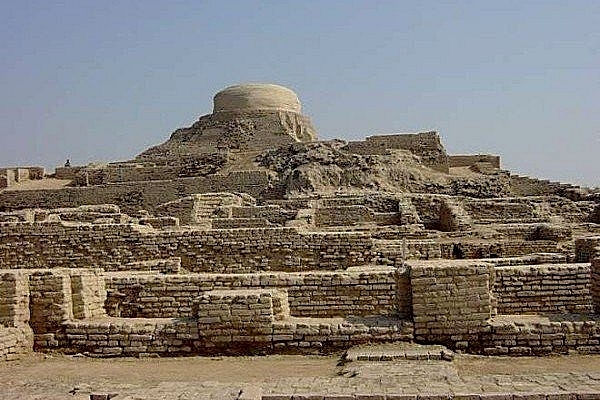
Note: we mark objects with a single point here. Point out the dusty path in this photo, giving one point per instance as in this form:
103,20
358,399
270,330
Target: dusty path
40,377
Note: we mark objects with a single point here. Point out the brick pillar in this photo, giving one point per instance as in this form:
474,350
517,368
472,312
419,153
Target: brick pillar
14,299
89,294
16,337
51,306
451,301
237,320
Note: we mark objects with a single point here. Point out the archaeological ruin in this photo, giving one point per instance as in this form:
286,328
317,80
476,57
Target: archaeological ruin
245,234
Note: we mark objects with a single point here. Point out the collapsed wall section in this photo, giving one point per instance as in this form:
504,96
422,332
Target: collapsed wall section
426,145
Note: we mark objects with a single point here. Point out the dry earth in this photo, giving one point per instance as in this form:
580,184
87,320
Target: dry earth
58,377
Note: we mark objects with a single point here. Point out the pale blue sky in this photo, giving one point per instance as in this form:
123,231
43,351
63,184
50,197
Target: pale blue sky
103,80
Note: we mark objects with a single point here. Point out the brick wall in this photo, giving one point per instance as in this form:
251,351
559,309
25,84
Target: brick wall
315,294
540,336
50,245
236,317
16,337
133,196
451,301
271,213
51,306
559,288
504,210
343,215
595,285
587,248
472,159
88,294
498,248
426,145
14,298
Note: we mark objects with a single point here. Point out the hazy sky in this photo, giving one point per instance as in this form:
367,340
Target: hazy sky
103,80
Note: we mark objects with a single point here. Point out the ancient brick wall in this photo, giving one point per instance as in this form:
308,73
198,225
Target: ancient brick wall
595,284
237,317
16,337
451,302
587,248
133,196
502,248
272,213
236,223
501,210
50,245
544,289
426,145
323,294
7,178
342,215
472,159
14,298
192,210
88,290
51,306
538,336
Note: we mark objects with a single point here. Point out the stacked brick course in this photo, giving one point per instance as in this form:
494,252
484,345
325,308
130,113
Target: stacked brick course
324,294
587,248
521,337
132,196
16,337
559,288
244,250
51,305
451,303
595,284
236,316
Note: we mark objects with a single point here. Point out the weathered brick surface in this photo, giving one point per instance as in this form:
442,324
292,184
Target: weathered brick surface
88,290
51,306
558,288
14,298
519,337
451,302
587,248
240,250
315,294
595,284
16,337
132,196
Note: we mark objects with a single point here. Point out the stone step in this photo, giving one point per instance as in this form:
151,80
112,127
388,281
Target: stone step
398,351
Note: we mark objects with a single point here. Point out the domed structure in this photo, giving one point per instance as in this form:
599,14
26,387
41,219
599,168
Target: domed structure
256,97
247,119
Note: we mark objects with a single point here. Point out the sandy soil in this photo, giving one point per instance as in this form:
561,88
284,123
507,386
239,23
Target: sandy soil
66,370
62,373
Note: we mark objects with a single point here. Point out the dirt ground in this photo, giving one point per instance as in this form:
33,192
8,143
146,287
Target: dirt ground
72,370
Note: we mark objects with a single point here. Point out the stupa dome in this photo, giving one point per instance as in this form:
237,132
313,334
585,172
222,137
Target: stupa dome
256,96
